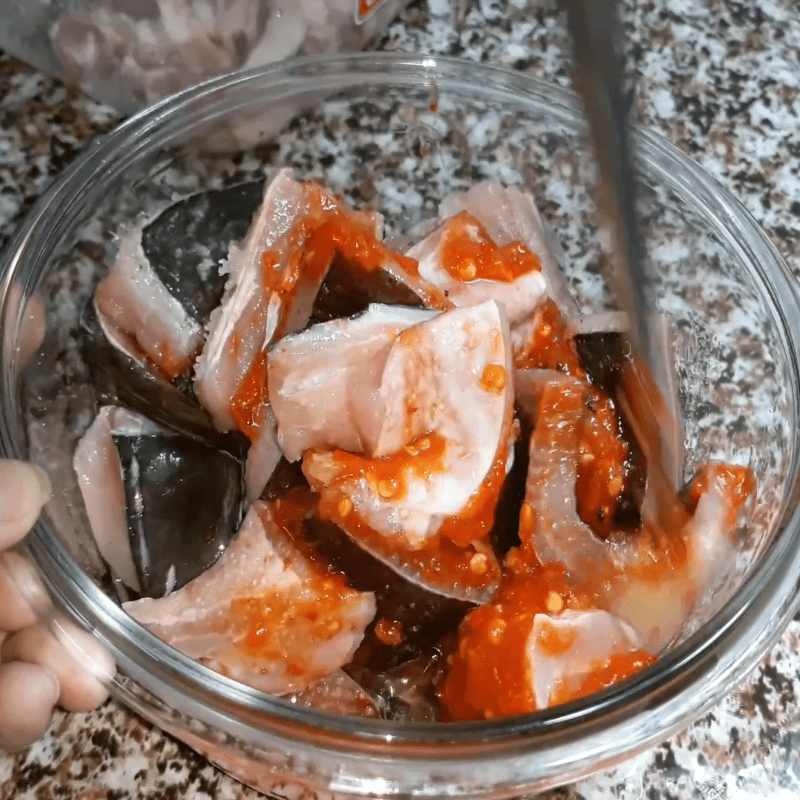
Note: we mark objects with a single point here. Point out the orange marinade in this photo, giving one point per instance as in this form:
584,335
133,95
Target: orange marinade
269,618
389,475
250,396
550,345
468,253
489,675
266,617
438,559
604,673
602,464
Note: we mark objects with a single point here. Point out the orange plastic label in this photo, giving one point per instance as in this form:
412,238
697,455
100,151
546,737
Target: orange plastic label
366,7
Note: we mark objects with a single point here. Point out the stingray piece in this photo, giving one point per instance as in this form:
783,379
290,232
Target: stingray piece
183,502
509,215
324,383
264,614
140,316
423,500
187,244
409,619
121,380
161,506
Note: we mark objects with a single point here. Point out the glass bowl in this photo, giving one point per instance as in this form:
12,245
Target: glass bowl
397,133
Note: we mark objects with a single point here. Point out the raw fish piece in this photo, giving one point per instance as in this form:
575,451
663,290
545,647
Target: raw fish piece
324,383
549,521
424,504
187,244
587,641
539,642
120,380
97,465
183,502
448,392
263,455
510,215
161,506
263,614
649,580
519,293
265,296
140,317
656,603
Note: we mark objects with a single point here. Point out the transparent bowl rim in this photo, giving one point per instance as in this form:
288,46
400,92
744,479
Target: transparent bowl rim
688,679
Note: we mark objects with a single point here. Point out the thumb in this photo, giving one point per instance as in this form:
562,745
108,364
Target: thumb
24,489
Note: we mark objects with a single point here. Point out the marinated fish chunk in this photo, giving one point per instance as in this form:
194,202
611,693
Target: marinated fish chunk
492,245
538,643
162,506
263,614
260,295
441,453
325,383
140,317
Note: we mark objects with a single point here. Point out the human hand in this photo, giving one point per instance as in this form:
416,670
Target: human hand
37,668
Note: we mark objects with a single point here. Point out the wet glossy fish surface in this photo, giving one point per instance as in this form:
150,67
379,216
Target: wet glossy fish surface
329,465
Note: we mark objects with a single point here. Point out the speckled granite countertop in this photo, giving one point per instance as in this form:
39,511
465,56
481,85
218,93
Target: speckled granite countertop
720,79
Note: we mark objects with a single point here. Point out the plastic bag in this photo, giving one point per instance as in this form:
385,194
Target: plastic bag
130,53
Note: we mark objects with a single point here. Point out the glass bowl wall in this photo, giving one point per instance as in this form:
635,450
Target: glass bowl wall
396,134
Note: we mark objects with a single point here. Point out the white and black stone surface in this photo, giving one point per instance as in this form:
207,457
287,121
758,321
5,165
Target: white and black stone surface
718,78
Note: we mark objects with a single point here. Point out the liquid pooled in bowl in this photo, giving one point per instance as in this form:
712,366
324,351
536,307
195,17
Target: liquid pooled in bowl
332,467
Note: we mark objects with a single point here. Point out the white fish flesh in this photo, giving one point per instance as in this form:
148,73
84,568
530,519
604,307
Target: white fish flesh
594,636
263,614
140,316
447,386
325,382
655,600
549,519
518,296
97,465
261,300
264,453
506,216
443,449
510,215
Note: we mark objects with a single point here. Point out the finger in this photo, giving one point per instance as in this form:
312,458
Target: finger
28,693
21,592
32,327
81,664
24,489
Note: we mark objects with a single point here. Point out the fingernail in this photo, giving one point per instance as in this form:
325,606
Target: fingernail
45,486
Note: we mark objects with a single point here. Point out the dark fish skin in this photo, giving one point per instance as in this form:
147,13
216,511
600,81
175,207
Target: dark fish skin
285,477
119,380
602,356
212,220
422,616
183,503
505,531
348,290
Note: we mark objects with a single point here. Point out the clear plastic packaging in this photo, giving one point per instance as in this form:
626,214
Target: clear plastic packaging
131,53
